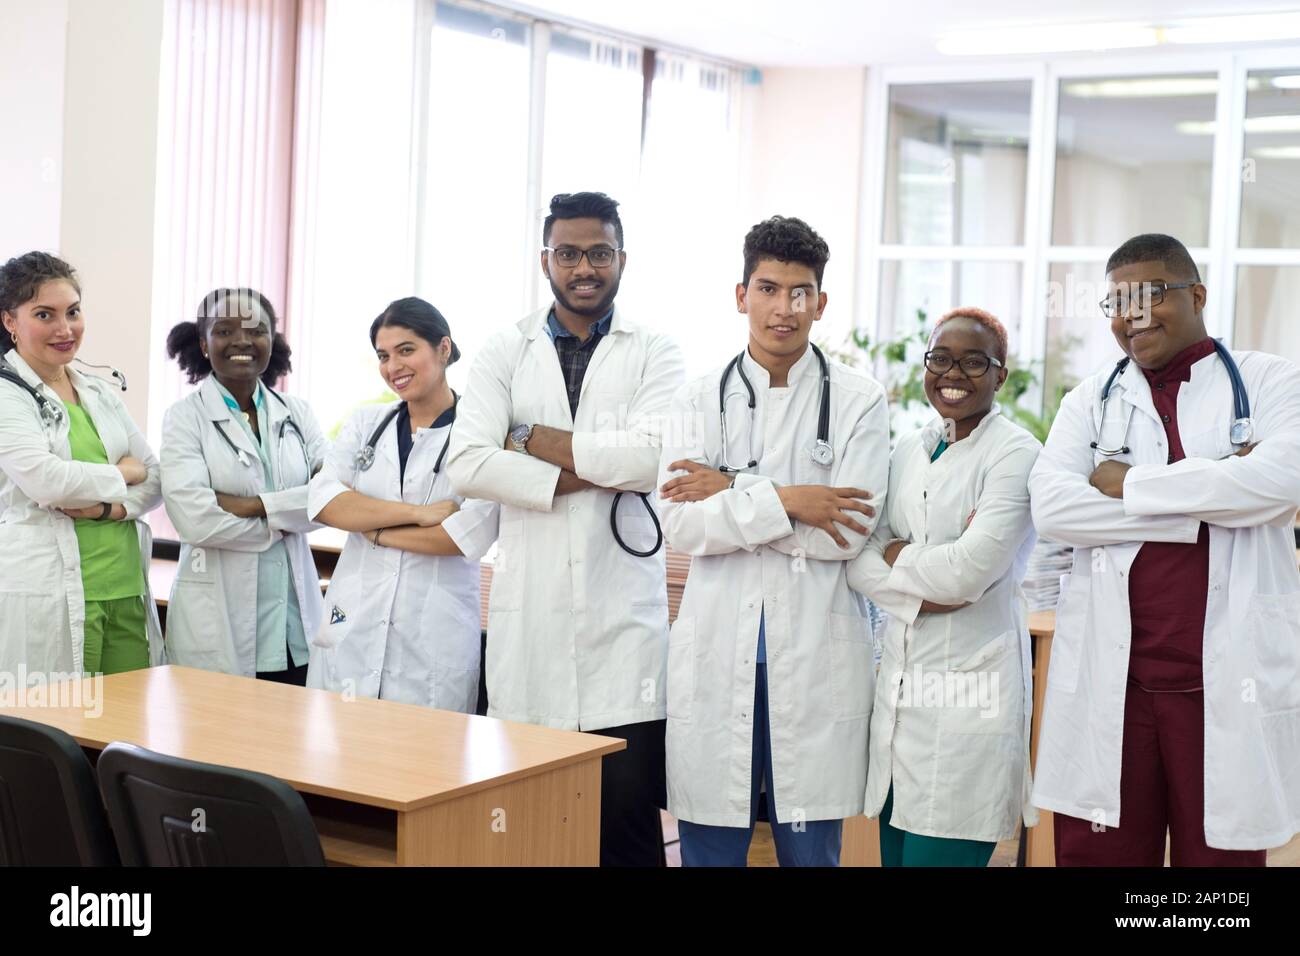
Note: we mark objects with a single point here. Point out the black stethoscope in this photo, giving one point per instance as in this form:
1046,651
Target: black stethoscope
365,457
52,415
821,453
286,424
1241,432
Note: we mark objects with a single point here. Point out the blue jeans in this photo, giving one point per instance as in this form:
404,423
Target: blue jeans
817,843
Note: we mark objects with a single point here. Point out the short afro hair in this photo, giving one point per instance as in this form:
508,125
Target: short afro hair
785,239
986,319
1155,247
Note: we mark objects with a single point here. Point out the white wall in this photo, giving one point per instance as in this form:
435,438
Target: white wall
806,160
31,102
110,136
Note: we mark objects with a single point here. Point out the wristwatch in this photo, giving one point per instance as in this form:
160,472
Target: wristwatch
105,510
519,436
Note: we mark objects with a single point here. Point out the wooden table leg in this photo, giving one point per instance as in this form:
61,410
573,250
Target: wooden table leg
546,819
861,842
1040,848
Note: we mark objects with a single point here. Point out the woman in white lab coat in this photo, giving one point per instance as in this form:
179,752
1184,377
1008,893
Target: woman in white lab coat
76,477
949,765
403,614
236,459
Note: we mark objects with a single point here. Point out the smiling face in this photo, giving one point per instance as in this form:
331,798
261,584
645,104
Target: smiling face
1153,338
409,364
49,327
237,340
954,394
582,289
782,301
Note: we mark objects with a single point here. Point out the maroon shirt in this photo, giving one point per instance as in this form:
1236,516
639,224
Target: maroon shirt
1168,582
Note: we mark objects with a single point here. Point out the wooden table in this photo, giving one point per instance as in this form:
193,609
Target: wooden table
387,784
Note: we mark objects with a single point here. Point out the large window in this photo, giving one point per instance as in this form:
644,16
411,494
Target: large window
476,176
412,149
1007,187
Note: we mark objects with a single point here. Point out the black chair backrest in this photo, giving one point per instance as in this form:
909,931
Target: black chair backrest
50,811
166,811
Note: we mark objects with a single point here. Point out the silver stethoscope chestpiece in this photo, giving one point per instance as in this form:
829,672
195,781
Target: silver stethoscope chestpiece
1242,431
366,457
823,454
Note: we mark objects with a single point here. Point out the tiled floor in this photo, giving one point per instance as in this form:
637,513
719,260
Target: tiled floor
762,852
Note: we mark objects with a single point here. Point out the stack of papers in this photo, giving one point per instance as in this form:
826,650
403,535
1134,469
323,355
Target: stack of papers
1042,584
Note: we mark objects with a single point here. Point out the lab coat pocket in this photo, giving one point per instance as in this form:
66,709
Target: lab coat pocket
29,562
853,670
981,694
336,618
681,668
508,571
637,531
1067,642
1275,635
193,639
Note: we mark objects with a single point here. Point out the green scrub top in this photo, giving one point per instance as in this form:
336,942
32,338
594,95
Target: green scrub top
939,449
110,550
279,617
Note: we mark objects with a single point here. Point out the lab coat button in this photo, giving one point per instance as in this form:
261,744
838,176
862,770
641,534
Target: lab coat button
750,604
573,509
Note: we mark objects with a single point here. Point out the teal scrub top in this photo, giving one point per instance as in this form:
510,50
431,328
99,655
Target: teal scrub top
280,635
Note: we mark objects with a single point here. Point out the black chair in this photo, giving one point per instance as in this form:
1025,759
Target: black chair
50,812
166,811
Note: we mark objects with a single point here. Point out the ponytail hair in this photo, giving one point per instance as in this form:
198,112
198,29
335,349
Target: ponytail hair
184,338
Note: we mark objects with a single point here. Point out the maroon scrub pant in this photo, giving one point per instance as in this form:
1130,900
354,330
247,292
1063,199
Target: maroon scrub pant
1161,786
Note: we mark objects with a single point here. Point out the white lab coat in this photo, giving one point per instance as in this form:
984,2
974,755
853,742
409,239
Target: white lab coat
747,557
212,613
1252,618
42,603
398,625
953,696
577,627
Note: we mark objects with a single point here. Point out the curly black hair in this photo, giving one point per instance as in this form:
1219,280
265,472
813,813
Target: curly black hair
184,338
786,239
22,277
1155,247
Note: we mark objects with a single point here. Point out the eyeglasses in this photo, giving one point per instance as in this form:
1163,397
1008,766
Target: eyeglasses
600,257
1149,294
974,364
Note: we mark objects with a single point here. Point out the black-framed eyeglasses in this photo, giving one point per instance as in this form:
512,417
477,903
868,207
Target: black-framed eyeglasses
1148,294
600,257
974,364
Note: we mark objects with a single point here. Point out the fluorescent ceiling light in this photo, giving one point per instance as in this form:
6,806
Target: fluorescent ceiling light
1149,86
1241,29
926,179
1276,152
1080,37
1254,124
1048,39
1289,82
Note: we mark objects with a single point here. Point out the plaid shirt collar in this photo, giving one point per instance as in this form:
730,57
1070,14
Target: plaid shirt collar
555,330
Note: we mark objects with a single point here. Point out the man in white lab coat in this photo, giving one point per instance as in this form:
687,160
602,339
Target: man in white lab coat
1173,693
561,416
770,665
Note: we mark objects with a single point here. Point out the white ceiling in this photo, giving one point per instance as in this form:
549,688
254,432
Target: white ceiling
855,32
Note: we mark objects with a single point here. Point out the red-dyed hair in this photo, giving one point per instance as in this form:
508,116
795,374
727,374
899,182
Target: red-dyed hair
986,319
